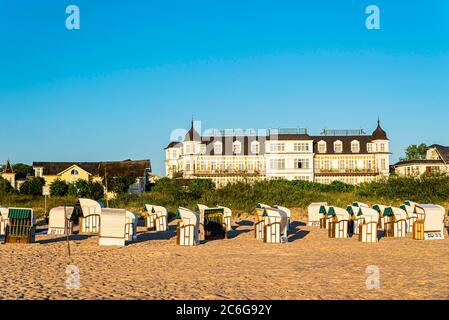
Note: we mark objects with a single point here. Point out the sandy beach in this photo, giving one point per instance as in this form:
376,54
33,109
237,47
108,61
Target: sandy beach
309,266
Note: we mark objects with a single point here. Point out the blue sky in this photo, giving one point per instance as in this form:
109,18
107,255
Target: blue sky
136,70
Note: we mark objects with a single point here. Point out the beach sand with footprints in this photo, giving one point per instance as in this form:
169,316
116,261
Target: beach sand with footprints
309,266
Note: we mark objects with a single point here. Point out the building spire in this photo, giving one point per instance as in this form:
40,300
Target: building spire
8,167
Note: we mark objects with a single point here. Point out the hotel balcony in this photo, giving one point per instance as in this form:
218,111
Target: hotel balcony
347,172
226,173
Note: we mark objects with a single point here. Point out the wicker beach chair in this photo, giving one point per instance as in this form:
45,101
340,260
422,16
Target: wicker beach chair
314,215
157,217
325,218
188,227
227,217
430,226
259,223
20,227
59,221
288,212
339,224
356,219
89,222
117,227
368,229
3,220
214,224
275,225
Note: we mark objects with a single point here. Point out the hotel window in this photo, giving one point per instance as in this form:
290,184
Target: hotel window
250,165
187,149
218,148
74,172
259,165
304,178
351,164
369,164
369,147
383,164
327,164
187,165
236,147
355,146
322,147
338,147
277,164
301,146
255,147
174,154
342,165
222,166
241,165
382,147
213,166
203,166
301,163
277,147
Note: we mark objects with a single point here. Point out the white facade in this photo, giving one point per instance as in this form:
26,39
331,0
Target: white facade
289,154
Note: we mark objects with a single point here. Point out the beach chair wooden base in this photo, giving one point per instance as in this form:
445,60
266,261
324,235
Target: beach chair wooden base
400,228
388,228
368,232
28,237
259,229
89,225
161,223
185,235
356,225
410,222
418,230
149,222
338,229
272,233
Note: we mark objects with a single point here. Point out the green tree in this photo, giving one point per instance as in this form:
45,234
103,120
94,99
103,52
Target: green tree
32,186
59,188
79,188
5,186
415,152
120,184
23,168
96,190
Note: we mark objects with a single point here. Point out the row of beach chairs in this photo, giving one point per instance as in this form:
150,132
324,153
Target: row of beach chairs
424,221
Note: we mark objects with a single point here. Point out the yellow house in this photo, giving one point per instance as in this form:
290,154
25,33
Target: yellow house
94,171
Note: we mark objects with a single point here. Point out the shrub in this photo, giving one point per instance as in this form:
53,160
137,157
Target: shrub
59,188
120,184
79,188
33,186
5,186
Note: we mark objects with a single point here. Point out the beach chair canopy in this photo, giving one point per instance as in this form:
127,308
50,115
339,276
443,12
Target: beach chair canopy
340,213
398,213
360,204
277,215
433,216
112,227
22,214
188,216
58,216
323,210
380,208
410,203
89,206
262,205
201,207
286,210
226,211
314,211
354,211
370,215
157,210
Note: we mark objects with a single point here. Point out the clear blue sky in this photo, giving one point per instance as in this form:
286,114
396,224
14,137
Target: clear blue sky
138,69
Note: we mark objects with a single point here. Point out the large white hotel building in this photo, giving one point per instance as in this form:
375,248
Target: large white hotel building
350,156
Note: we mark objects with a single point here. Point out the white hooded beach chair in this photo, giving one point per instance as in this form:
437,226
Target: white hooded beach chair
157,217
59,221
356,219
339,224
131,226
382,218
117,226
399,222
227,217
431,227
314,215
368,229
259,224
89,223
287,211
325,218
412,215
3,220
276,225
360,204
188,227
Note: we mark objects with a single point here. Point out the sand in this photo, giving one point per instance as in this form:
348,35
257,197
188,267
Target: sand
310,266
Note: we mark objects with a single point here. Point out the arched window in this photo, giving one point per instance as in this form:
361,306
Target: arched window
255,147
218,147
74,172
322,148
236,147
355,146
338,146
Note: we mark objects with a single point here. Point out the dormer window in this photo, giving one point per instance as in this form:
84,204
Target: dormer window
218,147
355,146
255,147
236,147
322,147
338,146
74,172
